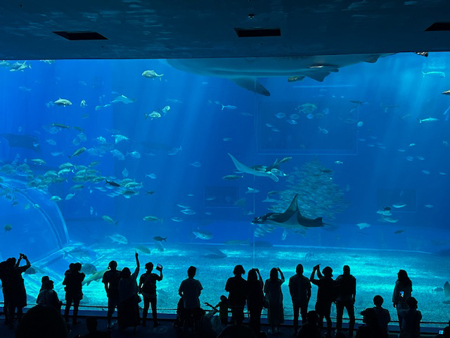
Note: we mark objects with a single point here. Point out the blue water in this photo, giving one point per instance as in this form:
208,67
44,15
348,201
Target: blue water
374,151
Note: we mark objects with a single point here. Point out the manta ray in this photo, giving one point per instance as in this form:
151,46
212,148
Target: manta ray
290,219
243,168
23,141
246,71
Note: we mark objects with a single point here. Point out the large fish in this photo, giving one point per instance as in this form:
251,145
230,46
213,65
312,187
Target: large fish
291,218
243,168
246,71
23,141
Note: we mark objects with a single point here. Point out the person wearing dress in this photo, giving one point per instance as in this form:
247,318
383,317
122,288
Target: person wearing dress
274,297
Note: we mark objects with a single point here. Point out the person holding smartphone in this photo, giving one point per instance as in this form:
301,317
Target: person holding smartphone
147,287
402,292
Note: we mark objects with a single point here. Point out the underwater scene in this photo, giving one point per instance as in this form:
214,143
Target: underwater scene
197,162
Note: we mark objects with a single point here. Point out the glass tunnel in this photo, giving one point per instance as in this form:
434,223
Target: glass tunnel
179,159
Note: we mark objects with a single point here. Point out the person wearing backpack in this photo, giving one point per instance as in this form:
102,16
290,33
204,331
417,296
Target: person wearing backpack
346,292
147,287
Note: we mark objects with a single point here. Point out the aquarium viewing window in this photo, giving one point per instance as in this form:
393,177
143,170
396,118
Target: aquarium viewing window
182,160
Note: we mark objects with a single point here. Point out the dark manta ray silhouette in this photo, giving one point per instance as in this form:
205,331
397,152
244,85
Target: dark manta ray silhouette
23,141
291,218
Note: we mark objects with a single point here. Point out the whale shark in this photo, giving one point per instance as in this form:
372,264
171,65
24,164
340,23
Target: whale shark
245,71
290,219
243,168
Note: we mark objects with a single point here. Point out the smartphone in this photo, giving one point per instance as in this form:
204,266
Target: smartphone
402,293
159,266
441,331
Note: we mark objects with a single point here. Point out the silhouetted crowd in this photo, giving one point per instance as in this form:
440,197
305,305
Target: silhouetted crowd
125,292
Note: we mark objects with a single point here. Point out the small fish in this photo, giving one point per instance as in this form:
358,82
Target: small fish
323,131
447,92
398,232
429,206
153,115
201,234
160,239
142,249
433,74
196,164
51,142
151,74
55,198
152,176
134,154
399,206
152,219
426,172
280,115
360,124
363,225
338,162
228,107
109,220
188,212
62,102
118,138
125,172
69,197
294,116
78,152
177,219
428,119
83,104
227,139
175,151
232,177
7,227
251,191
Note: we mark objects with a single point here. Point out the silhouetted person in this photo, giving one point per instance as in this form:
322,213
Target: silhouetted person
325,294
237,288
128,308
44,280
111,280
272,289
383,315
222,307
4,279
91,324
445,332
48,296
147,287
309,328
370,329
300,290
411,320
18,294
255,299
346,293
402,292
72,280
42,321
190,290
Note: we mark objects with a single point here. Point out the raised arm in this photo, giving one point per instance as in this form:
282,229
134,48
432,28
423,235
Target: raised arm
281,275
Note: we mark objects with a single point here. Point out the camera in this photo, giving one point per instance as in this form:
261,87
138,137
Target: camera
402,293
158,267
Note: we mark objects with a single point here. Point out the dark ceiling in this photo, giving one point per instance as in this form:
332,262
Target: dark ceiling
198,28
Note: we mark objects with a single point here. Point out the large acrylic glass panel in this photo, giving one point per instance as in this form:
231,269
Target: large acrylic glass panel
142,163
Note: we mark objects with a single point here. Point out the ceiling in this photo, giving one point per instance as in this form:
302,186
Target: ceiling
158,29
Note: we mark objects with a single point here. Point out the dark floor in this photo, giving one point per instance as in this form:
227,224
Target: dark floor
165,329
